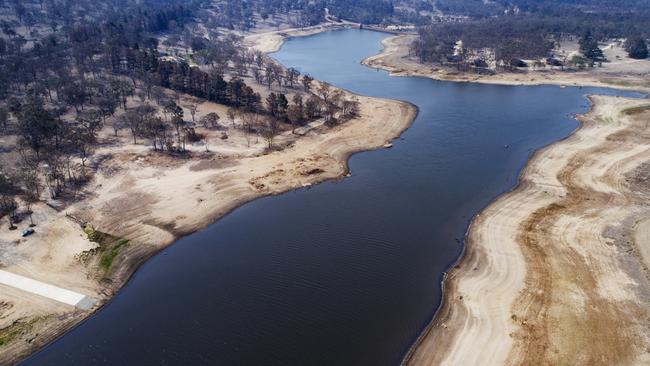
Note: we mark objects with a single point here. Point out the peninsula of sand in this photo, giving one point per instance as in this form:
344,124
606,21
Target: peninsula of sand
152,200
556,271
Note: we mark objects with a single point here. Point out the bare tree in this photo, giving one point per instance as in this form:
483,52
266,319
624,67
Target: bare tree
83,142
292,75
331,105
155,129
313,107
210,120
306,82
4,117
248,121
350,107
259,59
134,121
117,125
192,107
271,131
176,114
269,75
28,176
324,90
8,204
296,112
232,113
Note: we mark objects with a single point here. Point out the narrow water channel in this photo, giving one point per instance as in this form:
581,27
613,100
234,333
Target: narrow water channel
348,272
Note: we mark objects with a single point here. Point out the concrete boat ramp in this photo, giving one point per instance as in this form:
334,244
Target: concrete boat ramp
46,290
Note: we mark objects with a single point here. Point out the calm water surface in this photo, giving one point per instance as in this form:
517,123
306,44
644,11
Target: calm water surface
347,273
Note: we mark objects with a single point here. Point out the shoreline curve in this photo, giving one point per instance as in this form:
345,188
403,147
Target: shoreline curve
369,131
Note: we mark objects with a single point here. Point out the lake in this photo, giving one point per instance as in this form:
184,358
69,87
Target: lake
345,273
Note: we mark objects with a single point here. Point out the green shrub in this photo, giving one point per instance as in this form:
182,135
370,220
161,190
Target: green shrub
93,235
109,254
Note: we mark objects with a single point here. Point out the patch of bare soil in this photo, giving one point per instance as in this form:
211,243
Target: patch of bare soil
213,164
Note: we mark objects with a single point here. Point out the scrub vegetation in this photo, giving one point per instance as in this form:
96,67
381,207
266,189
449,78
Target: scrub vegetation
18,329
109,247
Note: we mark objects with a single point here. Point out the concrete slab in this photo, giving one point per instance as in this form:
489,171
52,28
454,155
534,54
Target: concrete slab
46,290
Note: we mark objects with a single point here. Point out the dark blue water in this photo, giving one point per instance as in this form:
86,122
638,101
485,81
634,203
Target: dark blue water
347,273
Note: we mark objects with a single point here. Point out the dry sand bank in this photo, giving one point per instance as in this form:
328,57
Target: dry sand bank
550,273
269,42
396,58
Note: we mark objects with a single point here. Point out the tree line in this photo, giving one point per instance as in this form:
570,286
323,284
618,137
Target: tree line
527,29
244,14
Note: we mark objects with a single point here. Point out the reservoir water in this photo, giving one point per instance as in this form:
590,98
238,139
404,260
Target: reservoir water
348,272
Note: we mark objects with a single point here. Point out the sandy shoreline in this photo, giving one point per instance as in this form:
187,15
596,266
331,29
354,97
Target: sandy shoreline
148,203
547,272
269,42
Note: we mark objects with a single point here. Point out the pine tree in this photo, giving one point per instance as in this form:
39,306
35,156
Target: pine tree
589,48
637,48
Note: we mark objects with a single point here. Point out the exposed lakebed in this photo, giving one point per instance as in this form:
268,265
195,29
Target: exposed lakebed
347,272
